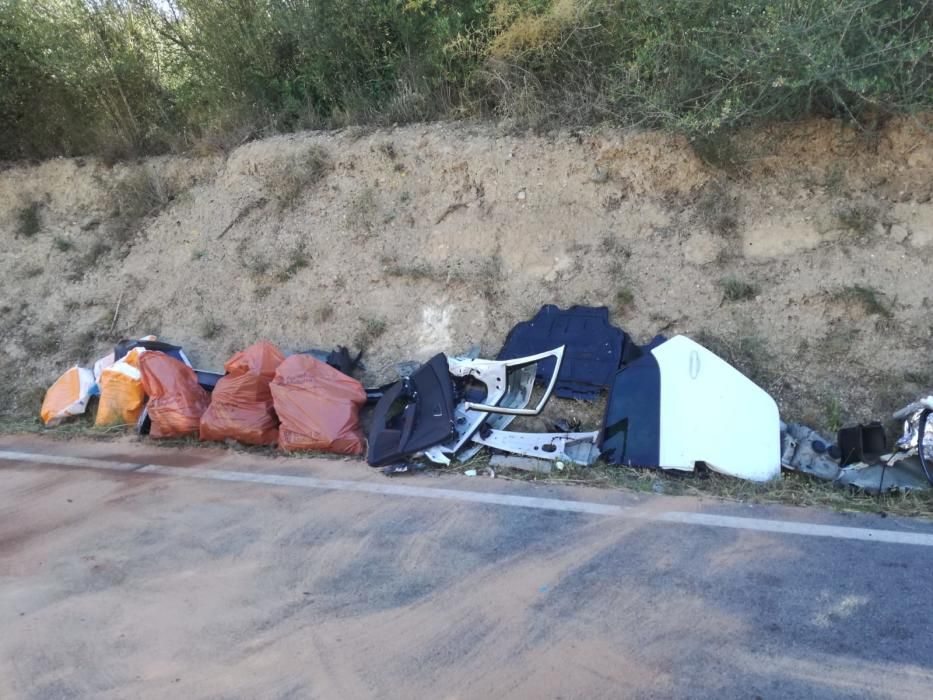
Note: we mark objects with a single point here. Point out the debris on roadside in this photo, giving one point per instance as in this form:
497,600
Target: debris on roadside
861,443
806,451
593,348
525,464
671,404
122,397
241,405
318,407
176,400
68,396
679,404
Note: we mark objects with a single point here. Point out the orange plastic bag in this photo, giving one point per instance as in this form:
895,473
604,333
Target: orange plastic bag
121,392
318,407
68,396
176,400
241,405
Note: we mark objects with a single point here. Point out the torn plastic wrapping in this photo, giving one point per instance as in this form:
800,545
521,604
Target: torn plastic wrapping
241,406
176,400
318,407
68,396
121,392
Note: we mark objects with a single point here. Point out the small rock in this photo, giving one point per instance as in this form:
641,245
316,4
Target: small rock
899,233
520,196
599,175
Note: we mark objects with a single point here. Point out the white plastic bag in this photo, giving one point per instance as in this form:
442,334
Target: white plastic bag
68,396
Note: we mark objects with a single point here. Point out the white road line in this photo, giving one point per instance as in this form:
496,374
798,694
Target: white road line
784,527
64,461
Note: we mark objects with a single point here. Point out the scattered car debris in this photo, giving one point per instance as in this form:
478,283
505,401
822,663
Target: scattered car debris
916,422
525,464
339,358
672,404
594,349
500,387
806,451
579,448
680,404
862,443
900,472
413,415
150,342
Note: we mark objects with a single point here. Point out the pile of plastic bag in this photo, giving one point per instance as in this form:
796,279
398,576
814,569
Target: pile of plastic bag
299,403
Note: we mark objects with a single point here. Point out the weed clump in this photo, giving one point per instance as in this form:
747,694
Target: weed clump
372,329
869,299
28,220
858,218
734,289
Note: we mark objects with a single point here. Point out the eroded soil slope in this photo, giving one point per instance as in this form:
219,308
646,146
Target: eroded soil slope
805,261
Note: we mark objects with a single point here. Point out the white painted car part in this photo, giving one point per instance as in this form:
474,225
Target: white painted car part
509,386
710,412
579,448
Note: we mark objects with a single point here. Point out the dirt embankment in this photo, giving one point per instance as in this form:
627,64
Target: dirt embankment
805,261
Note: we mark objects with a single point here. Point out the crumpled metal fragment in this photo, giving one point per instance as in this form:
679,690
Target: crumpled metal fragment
805,450
911,415
902,472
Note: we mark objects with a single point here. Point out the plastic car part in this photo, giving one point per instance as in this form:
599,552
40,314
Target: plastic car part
507,387
207,379
594,348
632,424
579,448
806,451
517,396
685,406
413,414
862,443
125,345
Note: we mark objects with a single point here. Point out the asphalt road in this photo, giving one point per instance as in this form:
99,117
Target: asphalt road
212,576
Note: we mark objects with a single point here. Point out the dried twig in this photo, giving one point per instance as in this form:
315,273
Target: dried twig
116,311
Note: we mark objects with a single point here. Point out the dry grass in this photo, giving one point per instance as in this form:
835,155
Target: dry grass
372,328
868,299
717,211
298,259
363,210
141,192
292,177
791,489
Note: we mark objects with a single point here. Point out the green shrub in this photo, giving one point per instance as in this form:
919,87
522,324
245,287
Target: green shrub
28,220
125,77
